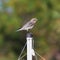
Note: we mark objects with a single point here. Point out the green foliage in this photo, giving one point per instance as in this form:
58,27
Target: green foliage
46,31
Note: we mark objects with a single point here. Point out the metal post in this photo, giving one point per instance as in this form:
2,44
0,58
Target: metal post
29,46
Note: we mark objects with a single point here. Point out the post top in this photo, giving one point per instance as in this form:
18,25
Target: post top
29,35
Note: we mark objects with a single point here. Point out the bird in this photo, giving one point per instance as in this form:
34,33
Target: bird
29,25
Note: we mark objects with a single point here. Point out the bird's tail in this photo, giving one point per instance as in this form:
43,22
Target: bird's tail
19,30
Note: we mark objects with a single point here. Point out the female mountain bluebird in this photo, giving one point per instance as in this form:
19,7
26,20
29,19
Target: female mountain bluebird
29,24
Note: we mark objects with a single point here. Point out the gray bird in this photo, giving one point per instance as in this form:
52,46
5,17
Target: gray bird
29,24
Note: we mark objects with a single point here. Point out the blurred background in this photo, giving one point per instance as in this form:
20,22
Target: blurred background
46,33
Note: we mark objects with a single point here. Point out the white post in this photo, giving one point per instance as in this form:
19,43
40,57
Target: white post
29,46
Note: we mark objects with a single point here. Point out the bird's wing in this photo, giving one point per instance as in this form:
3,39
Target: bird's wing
28,24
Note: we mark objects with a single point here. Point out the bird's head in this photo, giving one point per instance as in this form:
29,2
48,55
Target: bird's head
34,20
